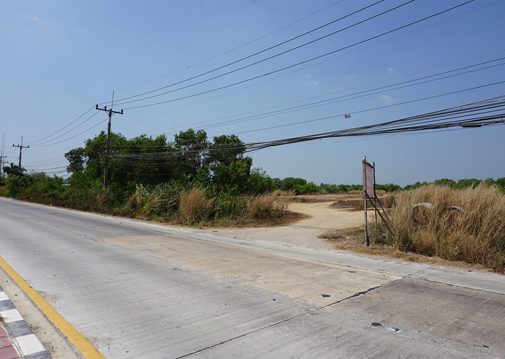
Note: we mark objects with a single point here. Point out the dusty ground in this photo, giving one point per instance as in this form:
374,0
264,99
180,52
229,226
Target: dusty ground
328,214
321,218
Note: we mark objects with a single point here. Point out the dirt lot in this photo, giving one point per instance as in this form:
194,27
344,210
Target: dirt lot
331,214
321,218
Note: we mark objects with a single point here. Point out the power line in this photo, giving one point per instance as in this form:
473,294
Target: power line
20,153
122,101
61,129
307,99
484,107
290,66
474,115
80,133
110,112
376,108
235,48
355,95
263,60
372,109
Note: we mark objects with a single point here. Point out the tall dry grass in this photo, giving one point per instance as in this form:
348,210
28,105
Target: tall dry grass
475,236
193,206
268,205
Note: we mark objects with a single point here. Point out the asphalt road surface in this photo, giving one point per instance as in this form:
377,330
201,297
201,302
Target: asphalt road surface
141,290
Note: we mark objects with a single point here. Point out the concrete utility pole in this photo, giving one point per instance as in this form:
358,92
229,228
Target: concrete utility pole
2,157
2,164
106,171
20,153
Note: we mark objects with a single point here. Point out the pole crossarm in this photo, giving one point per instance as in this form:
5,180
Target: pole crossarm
110,112
20,153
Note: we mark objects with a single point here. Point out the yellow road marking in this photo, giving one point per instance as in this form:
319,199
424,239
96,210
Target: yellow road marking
82,344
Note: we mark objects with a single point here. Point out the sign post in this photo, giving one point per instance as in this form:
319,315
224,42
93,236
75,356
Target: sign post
369,193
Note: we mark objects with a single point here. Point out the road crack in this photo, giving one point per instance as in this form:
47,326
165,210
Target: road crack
280,322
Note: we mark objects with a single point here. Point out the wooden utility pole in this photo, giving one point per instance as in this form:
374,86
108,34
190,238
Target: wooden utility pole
20,153
106,171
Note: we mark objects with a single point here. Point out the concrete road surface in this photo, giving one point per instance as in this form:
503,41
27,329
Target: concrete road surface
140,290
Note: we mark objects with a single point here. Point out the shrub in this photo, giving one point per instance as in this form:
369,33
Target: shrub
230,206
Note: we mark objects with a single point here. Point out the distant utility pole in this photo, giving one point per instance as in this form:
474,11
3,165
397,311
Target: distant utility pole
20,153
2,157
1,163
106,172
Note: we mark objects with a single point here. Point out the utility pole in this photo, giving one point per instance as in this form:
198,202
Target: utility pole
1,164
2,157
106,171
20,153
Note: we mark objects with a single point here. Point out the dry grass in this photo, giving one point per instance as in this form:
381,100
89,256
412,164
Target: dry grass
3,191
130,205
193,206
438,233
353,240
476,236
268,205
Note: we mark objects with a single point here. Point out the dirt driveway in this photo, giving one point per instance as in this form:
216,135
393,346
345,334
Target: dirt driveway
304,233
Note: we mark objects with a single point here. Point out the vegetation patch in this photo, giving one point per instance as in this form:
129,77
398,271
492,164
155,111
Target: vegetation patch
196,181
458,226
353,240
475,236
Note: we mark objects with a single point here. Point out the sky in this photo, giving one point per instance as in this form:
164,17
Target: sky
215,64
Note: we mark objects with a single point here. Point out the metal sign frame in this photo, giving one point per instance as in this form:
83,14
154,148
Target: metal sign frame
370,194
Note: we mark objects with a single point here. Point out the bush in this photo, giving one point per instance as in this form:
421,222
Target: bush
308,188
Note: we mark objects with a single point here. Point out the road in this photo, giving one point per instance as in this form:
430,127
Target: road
141,290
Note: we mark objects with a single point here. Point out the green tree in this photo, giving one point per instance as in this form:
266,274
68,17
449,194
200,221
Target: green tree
14,170
76,159
192,150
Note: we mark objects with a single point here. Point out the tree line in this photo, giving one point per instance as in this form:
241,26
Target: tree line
191,159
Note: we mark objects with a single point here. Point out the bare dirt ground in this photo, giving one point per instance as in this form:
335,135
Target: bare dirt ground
337,215
321,218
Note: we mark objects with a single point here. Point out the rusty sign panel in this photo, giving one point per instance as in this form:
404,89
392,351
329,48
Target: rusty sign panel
368,180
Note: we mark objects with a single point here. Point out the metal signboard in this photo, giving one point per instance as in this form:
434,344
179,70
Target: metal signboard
368,180
370,196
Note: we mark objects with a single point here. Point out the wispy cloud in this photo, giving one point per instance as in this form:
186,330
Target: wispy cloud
386,99
309,81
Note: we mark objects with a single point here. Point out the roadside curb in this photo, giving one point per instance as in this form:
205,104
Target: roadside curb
23,340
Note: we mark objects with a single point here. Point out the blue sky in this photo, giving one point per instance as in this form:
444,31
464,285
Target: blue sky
60,58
